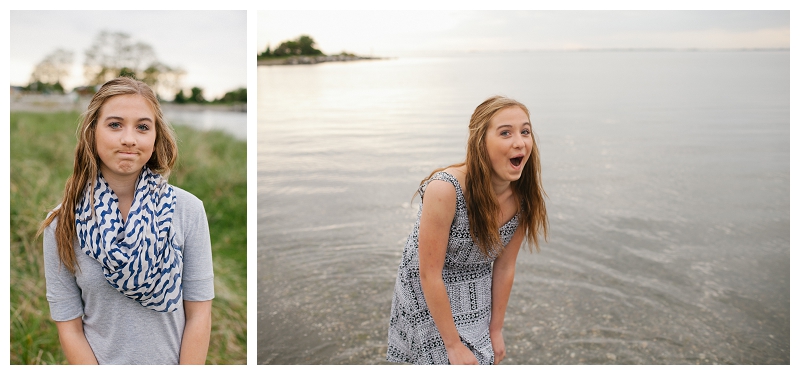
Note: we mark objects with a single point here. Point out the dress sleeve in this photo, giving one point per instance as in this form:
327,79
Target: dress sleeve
198,269
63,293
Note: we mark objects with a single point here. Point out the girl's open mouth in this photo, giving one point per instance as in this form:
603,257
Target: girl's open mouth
516,161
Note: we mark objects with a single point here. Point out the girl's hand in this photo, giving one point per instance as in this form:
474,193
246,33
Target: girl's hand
498,345
460,355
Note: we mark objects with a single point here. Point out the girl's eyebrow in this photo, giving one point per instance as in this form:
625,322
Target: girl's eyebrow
120,118
509,125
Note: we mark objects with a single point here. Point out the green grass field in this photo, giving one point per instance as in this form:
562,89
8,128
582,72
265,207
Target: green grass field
211,165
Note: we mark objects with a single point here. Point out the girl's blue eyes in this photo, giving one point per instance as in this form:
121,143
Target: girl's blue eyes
506,133
140,127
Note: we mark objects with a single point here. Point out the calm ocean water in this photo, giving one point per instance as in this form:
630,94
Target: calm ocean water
668,182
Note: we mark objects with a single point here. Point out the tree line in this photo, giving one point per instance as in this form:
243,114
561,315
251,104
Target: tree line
115,54
304,45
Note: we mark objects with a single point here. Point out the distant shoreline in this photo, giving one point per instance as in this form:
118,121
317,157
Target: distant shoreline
61,103
306,60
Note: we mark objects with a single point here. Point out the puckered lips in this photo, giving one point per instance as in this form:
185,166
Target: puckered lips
127,154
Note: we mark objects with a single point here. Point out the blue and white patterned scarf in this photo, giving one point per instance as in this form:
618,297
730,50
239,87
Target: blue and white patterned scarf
138,256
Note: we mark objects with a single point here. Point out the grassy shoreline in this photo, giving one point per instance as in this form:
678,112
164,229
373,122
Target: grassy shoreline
211,165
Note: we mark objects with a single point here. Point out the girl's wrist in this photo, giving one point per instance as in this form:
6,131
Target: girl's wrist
450,342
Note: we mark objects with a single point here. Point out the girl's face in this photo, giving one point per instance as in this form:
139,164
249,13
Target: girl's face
509,140
125,135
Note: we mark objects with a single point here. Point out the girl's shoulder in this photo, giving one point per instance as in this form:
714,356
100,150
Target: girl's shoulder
459,172
54,220
185,195
187,204
447,183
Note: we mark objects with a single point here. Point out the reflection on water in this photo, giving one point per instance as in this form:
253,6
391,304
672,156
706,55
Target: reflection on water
668,183
231,122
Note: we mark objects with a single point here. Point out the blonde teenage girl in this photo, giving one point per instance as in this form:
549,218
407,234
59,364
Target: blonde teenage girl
128,256
457,268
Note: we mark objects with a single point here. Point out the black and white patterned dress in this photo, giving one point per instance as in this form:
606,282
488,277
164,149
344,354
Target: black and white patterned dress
467,275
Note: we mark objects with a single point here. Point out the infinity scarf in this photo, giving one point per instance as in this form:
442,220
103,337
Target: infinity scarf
138,256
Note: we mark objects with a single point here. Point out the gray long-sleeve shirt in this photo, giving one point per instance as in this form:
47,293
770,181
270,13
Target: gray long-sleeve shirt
119,329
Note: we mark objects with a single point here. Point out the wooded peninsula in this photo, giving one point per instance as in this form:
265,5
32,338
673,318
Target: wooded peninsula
303,51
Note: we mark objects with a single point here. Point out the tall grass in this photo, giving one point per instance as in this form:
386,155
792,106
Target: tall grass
212,166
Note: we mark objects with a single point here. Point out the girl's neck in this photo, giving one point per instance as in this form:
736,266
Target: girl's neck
124,188
501,188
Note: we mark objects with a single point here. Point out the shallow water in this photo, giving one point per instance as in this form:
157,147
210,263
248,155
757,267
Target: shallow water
668,183
233,123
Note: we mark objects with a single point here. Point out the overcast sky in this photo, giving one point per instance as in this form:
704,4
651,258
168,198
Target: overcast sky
400,33
209,45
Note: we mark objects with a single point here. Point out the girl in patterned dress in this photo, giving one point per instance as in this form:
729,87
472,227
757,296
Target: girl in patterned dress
128,256
457,268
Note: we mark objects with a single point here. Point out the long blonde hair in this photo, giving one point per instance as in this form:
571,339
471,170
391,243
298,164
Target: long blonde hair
482,206
87,160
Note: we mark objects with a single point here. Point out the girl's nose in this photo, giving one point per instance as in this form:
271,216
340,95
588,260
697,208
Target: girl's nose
518,141
127,137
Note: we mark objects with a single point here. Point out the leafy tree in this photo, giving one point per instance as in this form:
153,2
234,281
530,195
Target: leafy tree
126,72
306,45
115,54
266,53
288,48
162,77
235,96
302,46
197,95
48,73
179,97
45,88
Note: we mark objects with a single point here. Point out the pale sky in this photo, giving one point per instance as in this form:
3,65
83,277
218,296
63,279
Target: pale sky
408,33
209,45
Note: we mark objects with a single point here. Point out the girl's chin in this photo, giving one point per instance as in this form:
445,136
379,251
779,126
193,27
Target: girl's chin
508,177
122,169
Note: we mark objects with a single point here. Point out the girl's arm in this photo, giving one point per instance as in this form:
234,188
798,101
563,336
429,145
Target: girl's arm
437,215
196,333
73,342
502,279
198,280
